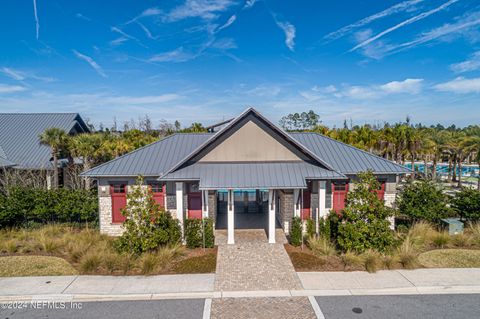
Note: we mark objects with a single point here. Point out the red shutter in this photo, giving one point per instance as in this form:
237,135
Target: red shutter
195,205
119,201
339,191
158,191
381,192
306,210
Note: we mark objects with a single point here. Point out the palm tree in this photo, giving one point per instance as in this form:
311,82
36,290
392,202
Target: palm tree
472,146
87,147
412,143
56,138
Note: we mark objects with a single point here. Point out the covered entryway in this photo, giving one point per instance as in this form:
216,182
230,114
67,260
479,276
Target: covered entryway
250,207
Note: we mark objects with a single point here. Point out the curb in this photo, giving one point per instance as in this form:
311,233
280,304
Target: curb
427,290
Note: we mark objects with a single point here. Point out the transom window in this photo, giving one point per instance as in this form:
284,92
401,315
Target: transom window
340,186
156,187
118,188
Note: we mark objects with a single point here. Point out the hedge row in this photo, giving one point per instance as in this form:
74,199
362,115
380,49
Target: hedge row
24,206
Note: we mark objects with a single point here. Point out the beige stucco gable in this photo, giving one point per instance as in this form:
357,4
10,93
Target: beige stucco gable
250,144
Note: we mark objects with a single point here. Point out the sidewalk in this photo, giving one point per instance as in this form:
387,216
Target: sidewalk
97,288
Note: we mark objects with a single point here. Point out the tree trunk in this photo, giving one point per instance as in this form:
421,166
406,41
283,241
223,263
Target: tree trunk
454,170
449,178
425,166
434,172
459,171
86,166
478,182
55,170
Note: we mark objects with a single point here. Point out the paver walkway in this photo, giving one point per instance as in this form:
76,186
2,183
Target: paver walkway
254,264
274,308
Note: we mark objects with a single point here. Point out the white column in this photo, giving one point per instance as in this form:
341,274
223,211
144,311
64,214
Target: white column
296,203
205,203
322,197
230,217
271,216
179,198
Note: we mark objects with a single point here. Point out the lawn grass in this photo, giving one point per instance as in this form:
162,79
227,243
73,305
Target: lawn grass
450,258
18,266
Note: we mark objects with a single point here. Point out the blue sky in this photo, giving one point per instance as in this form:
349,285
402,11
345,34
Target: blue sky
368,61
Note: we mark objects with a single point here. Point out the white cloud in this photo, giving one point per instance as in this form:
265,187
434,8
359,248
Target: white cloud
37,24
141,100
147,32
264,90
249,4
462,24
399,7
224,44
472,64
460,85
230,21
416,18
325,89
91,62
177,55
146,13
411,86
23,75
289,30
118,41
204,9
14,74
5,88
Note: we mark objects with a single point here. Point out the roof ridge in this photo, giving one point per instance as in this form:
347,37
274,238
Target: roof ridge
350,146
128,153
236,120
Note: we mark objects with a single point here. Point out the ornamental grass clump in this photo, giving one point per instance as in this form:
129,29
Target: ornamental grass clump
408,254
441,239
321,246
351,260
372,260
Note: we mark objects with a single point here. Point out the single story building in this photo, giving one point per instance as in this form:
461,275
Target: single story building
249,174
20,146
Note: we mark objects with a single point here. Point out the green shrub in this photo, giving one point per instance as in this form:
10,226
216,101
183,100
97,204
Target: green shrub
324,227
147,226
423,200
194,233
466,204
296,232
29,206
364,220
311,231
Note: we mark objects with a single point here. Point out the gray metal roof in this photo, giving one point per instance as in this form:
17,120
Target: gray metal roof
252,175
173,156
345,158
19,136
152,160
6,163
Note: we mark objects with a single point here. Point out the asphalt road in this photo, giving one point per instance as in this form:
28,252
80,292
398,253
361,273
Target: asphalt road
162,309
402,306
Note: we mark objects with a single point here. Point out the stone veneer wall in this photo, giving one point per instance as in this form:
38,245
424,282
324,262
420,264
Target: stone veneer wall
212,205
286,209
105,213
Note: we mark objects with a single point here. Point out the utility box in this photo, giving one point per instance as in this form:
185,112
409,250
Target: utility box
453,225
